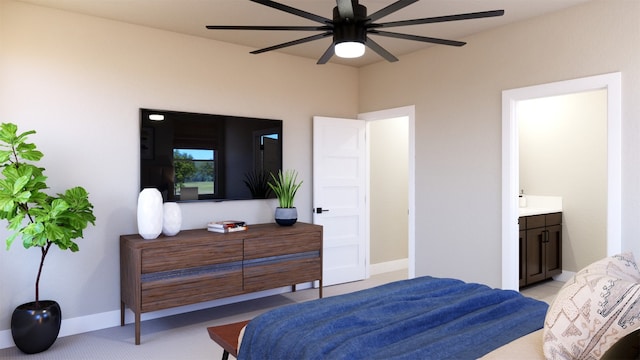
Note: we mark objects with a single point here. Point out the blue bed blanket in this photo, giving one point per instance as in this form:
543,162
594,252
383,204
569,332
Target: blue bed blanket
421,318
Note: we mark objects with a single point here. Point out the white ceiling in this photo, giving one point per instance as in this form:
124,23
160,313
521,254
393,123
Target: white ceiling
191,16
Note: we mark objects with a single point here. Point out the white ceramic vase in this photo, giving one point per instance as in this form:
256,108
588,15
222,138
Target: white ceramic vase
150,212
171,219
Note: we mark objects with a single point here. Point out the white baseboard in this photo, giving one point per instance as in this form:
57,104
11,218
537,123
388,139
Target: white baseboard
389,266
110,319
74,326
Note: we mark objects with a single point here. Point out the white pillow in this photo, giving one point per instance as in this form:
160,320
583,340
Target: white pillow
593,310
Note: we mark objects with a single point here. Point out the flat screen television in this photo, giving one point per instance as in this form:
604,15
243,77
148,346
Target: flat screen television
192,156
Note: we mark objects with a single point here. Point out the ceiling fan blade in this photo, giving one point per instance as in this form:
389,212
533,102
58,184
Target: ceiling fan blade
390,9
437,19
345,8
294,11
327,55
294,42
417,38
380,50
259,27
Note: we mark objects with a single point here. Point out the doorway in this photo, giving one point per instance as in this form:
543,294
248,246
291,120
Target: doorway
408,113
563,157
510,162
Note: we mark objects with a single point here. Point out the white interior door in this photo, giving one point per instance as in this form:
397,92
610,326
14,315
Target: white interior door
339,189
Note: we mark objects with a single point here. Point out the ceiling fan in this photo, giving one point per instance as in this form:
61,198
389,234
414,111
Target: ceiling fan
351,26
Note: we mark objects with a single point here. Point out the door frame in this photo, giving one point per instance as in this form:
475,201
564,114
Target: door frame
510,162
409,112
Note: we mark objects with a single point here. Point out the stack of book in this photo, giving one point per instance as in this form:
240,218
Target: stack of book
227,226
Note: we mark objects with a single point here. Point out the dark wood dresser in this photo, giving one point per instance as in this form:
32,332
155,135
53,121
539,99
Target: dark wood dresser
198,265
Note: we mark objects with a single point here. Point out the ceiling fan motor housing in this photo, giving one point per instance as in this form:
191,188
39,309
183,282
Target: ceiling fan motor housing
350,29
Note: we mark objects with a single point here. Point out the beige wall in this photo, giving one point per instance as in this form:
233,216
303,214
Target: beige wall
457,96
389,189
79,82
563,152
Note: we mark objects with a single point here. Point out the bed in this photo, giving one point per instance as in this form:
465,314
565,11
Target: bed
421,318
595,315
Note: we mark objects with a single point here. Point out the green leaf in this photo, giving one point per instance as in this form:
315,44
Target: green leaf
20,183
23,197
8,132
54,232
33,235
4,156
19,139
285,187
10,172
15,222
6,203
10,239
58,206
6,186
29,152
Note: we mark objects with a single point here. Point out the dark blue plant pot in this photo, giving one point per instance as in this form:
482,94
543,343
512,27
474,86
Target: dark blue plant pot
36,328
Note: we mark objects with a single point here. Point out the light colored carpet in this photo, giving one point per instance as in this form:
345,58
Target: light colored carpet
181,336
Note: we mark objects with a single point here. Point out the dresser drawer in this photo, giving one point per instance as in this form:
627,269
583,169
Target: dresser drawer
266,246
265,276
166,258
179,291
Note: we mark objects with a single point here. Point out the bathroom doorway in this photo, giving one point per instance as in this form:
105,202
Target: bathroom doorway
563,154
510,162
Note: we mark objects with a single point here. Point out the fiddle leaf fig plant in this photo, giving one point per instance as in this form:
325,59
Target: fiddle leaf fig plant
39,219
285,186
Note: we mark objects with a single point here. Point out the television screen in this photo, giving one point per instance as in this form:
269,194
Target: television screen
191,156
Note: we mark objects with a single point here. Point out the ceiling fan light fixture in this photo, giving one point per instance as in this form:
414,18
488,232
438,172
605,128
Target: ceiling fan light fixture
349,49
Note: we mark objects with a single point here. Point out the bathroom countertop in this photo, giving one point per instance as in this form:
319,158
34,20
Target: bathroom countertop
528,211
537,205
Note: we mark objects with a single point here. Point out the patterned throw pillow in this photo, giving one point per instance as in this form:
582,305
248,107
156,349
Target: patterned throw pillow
593,310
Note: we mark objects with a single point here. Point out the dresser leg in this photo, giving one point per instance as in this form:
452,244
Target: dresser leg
121,313
137,328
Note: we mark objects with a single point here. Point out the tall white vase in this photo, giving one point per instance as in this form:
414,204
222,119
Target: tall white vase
150,211
171,219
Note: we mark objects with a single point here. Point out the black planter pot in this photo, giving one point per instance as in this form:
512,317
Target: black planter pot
35,329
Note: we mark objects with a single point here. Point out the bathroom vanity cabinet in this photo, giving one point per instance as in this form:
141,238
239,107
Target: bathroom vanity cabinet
540,246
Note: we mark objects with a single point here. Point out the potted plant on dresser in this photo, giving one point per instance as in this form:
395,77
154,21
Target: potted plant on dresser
285,186
40,221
